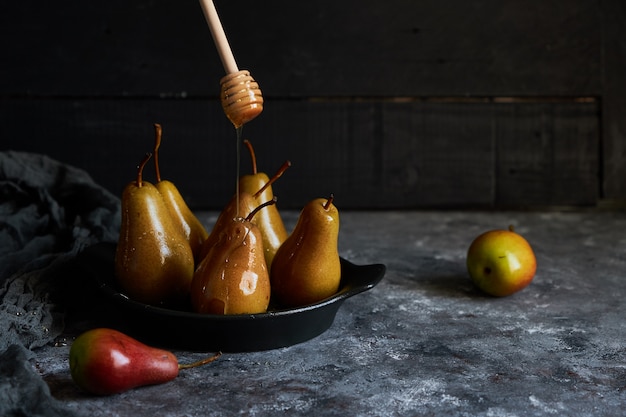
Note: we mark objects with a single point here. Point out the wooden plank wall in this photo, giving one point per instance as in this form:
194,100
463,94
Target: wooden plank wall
396,104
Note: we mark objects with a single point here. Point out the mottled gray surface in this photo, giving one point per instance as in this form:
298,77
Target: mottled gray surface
424,341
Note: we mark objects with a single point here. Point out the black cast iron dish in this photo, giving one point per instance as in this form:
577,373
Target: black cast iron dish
230,333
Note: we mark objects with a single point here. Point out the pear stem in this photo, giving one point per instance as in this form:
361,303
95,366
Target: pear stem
200,362
329,201
276,176
140,167
252,155
157,143
267,203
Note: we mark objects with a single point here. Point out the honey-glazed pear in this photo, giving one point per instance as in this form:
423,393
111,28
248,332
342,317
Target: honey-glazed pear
268,220
307,267
153,260
233,277
182,216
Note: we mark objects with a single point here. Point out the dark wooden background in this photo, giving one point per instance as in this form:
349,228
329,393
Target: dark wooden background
394,104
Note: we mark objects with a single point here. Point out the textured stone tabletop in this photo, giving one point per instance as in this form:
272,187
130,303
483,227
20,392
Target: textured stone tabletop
424,341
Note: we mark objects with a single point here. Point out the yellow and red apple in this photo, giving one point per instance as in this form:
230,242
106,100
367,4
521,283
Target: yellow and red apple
501,262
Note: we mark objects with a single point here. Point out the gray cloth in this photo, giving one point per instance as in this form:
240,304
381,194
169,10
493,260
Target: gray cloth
22,391
49,212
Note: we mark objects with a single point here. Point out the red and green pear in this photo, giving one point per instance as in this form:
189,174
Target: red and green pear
105,361
501,262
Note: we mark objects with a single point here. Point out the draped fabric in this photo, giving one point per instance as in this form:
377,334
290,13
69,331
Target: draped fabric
49,212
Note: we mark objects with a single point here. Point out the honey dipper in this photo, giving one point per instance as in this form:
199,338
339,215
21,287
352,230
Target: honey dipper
240,95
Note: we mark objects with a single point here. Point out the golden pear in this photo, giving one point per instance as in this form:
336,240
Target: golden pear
153,260
307,268
233,277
